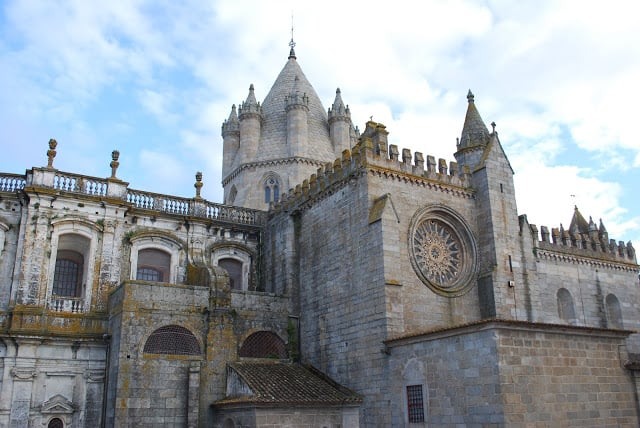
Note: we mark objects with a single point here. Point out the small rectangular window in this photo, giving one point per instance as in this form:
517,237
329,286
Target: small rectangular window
415,404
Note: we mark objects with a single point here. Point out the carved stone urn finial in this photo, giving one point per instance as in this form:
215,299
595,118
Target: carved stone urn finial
51,153
115,155
198,185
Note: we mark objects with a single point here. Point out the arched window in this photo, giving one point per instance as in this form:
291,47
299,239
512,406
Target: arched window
228,423
614,313
271,188
172,340
263,344
566,310
69,274
55,423
153,265
234,269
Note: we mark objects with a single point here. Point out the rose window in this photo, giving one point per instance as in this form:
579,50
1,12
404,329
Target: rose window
442,251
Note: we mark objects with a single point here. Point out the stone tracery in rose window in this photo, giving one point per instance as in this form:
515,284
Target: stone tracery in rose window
437,252
442,250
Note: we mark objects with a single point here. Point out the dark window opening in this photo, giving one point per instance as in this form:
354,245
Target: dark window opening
234,269
415,404
55,423
271,190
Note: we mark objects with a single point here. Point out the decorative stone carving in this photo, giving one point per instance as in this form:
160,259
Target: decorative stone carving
442,250
23,373
58,404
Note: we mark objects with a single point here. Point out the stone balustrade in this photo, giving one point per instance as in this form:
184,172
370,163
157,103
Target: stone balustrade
157,202
11,182
80,184
66,304
93,186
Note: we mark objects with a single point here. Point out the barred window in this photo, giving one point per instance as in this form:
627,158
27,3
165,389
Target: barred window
67,277
263,344
149,274
172,340
415,404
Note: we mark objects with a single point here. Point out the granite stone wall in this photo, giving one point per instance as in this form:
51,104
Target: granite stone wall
496,373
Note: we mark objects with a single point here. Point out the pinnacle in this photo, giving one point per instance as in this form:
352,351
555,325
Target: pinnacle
474,131
578,222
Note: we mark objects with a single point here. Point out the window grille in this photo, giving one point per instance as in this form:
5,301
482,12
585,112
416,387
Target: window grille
149,274
415,404
172,340
67,277
263,344
153,265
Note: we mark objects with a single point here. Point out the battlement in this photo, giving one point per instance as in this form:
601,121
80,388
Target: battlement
372,154
594,243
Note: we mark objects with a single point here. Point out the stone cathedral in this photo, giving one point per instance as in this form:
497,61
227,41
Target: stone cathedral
343,282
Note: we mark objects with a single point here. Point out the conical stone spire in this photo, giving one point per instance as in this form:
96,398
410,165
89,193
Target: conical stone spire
231,124
250,105
578,223
338,108
474,131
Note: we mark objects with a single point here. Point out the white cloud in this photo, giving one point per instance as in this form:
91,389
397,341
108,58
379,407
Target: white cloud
559,78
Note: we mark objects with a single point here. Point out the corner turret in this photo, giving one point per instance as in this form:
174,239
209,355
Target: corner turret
250,117
230,141
474,137
339,124
297,108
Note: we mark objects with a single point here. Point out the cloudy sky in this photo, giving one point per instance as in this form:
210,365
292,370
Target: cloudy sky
156,79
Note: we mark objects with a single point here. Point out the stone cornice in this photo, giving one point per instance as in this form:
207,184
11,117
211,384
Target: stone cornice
437,182
270,162
502,324
598,260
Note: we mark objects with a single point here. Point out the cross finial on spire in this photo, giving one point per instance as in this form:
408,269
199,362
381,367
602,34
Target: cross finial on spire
292,52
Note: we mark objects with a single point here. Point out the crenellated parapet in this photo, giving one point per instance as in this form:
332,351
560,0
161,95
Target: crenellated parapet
575,244
372,155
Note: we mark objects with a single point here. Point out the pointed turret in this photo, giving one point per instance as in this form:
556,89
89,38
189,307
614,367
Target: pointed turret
602,232
578,223
339,124
250,105
297,108
230,141
475,137
250,118
474,131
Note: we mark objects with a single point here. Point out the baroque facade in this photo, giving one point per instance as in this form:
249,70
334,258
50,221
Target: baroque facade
344,282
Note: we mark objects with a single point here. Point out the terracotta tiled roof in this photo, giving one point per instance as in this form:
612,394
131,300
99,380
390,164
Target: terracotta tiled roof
275,382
